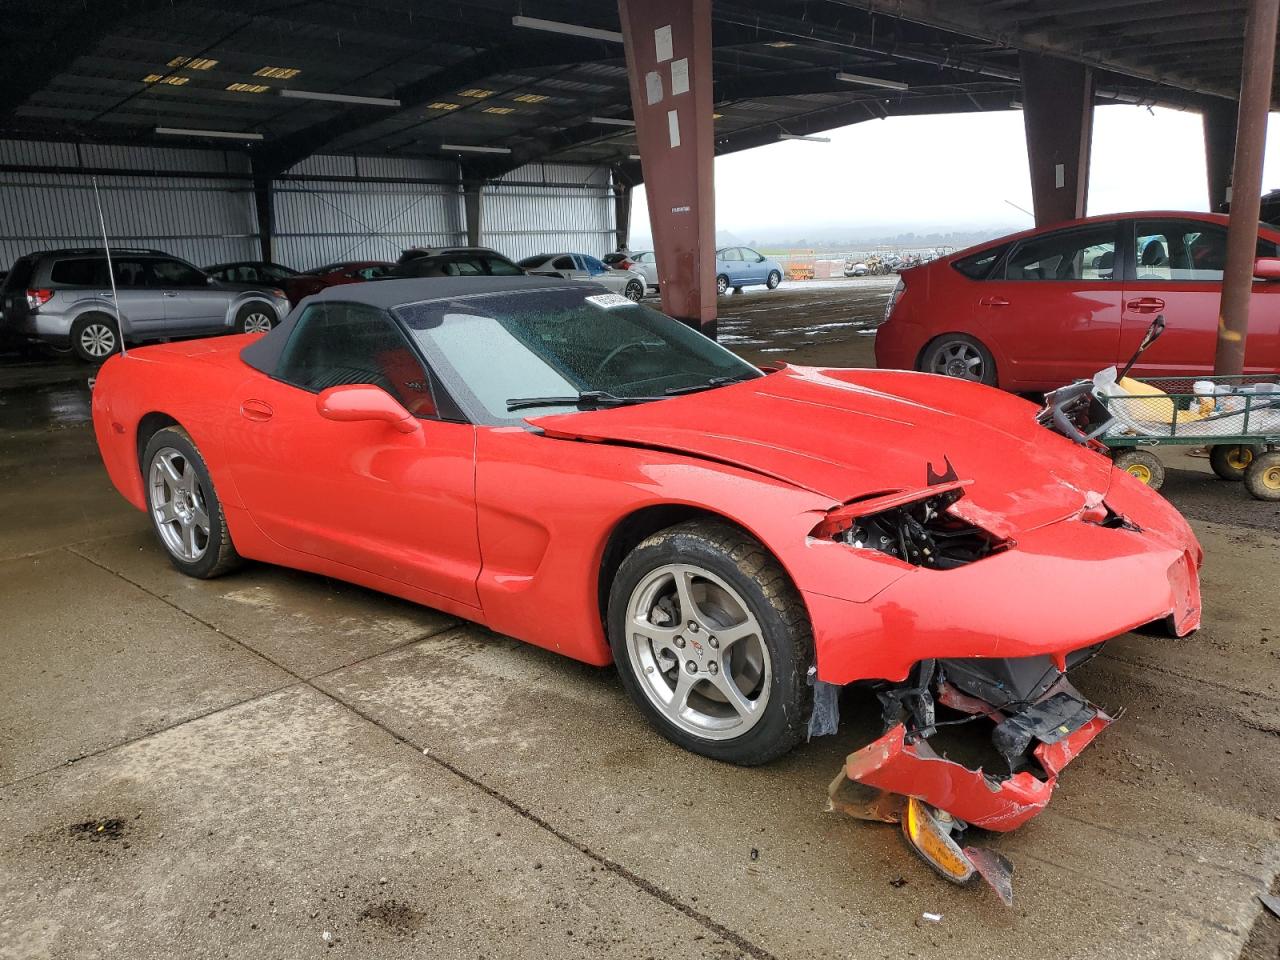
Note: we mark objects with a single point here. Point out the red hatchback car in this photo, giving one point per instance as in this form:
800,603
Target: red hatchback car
1039,309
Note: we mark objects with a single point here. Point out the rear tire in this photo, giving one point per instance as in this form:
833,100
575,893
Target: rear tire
961,356
186,514
1230,461
634,291
741,697
255,318
1142,466
95,337
1262,479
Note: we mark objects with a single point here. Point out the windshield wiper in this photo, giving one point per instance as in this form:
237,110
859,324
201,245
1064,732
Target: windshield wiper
708,384
596,398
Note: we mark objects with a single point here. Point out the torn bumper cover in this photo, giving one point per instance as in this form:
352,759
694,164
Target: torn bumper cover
1037,723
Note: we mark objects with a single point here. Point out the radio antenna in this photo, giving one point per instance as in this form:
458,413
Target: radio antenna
111,270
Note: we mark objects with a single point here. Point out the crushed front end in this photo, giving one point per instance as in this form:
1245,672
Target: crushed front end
969,648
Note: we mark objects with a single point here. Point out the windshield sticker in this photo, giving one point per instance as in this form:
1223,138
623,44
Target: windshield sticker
608,300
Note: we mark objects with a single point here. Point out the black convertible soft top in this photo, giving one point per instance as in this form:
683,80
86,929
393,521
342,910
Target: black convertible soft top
264,354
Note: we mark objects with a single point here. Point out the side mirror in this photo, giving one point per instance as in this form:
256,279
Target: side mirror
1267,268
760,259
210,280
363,401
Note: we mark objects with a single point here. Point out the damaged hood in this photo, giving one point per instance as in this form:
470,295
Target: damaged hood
852,434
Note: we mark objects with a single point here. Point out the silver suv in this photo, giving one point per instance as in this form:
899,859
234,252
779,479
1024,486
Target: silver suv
64,298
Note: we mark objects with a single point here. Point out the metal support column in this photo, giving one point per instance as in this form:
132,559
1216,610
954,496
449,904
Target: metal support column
472,209
621,214
1057,110
1219,148
1246,184
668,46
264,203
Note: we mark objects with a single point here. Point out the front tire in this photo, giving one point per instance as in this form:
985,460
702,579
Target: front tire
961,356
95,337
1142,465
185,512
713,642
775,278
255,318
722,285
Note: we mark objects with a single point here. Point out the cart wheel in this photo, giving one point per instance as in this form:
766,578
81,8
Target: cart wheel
1143,465
1263,476
1231,460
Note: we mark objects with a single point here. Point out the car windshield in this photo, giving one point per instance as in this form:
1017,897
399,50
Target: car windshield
559,344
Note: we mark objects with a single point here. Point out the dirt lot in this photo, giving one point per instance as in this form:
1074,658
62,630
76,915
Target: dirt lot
278,765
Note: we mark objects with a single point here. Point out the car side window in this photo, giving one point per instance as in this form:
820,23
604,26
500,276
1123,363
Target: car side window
343,343
1181,250
498,267
1072,255
372,273
79,273
175,273
979,266
563,263
733,253
751,255
594,266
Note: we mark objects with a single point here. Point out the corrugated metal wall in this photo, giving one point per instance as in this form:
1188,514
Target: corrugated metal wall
366,215
569,209
327,208
204,219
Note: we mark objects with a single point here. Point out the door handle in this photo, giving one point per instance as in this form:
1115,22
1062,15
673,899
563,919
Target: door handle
169,293
1145,305
107,294
993,302
256,410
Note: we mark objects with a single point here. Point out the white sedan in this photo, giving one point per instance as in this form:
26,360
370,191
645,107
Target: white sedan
580,266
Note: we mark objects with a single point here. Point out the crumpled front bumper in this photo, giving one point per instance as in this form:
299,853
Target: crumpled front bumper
896,766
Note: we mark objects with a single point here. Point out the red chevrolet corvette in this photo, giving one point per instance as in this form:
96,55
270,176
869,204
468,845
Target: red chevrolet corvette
579,471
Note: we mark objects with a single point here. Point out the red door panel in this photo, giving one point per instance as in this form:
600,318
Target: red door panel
395,505
1055,315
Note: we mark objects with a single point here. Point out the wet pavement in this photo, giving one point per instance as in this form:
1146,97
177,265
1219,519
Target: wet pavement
278,765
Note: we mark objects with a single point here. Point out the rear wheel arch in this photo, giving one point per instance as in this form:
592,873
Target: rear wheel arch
148,426
982,344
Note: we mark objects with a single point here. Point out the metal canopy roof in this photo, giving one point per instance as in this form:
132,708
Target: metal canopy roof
115,70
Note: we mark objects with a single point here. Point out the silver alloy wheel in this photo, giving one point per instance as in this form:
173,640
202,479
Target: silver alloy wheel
177,505
698,652
722,285
98,340
960,359
257,322
634,291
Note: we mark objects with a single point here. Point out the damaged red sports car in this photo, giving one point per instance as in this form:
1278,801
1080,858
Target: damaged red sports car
581,472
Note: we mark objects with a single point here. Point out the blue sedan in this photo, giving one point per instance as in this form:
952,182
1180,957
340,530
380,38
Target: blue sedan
738,267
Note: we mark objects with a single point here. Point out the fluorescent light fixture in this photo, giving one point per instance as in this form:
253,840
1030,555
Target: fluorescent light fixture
169,79
464,148
476,93
613,121
277,73
499,110
796,136
531,98
871,81
340,98
634,156
221,134
193,63
571,29
248,87
442,105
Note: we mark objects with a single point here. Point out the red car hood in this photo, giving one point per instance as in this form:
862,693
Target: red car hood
849,434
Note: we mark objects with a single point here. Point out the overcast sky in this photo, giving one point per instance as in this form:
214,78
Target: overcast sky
951,171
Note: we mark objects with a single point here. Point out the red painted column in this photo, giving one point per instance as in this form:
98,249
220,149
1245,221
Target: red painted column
1246,184
1057,109
668,44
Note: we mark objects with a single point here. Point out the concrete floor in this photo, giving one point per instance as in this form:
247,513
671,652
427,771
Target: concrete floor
278,765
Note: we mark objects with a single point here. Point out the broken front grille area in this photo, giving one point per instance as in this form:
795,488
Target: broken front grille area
921,532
